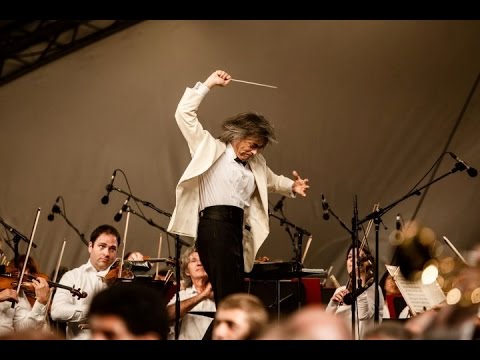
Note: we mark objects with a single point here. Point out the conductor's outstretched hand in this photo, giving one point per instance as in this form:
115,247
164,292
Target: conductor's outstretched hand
300,186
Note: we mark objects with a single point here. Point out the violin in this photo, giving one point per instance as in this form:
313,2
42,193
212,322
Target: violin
365,262
127,274
9,277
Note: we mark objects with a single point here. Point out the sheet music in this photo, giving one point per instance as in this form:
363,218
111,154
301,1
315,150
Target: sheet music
418,296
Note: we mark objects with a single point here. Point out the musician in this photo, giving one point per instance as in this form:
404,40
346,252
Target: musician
23,315
103,246
225,187
197,296
395,306
365,302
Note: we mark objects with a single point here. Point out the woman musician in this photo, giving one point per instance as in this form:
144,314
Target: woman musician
17,311
341,300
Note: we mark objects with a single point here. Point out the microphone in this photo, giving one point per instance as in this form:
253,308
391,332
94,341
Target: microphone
55,209
105,199
350,297
118,215
398,224
325,207
279,204
472,172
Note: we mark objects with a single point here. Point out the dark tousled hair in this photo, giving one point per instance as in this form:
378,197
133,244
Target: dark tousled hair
248,125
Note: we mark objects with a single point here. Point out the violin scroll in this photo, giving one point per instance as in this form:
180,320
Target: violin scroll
77,292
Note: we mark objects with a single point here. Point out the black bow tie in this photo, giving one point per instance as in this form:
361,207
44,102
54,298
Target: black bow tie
244,163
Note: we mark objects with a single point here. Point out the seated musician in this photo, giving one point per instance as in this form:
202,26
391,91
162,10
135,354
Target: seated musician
89,277
365,301
23,315
395,306
197,296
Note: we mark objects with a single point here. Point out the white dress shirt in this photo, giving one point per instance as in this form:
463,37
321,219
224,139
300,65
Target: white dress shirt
365,310
70,309
227,182
192,327
22,316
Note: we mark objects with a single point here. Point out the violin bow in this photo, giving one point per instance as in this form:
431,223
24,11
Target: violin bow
158,254
57,268
28,254
124,244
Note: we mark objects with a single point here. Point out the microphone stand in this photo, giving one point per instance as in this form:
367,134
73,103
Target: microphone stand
299,235
340,221
143,202
287,229
17,236
377,218
16,233
297,250
81,235
353,274
178,246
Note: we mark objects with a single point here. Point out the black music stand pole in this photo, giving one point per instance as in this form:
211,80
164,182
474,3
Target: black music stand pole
299,266
376,317
353,274
178,247
16,253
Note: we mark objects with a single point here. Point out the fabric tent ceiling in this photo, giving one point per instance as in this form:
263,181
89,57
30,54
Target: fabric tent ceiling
363,108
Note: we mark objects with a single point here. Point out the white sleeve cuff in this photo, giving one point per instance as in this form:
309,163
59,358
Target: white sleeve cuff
201,89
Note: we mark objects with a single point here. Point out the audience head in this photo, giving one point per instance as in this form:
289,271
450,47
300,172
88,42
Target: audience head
128,311
311,322
388,330
239,316
31,334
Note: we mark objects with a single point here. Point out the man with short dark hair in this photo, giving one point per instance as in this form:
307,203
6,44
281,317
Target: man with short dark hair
103,247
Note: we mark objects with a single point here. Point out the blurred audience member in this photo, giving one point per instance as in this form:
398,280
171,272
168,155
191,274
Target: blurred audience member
128,311
388,330
311,322
239,316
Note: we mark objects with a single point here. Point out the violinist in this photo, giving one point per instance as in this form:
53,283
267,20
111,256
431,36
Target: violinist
24,314
103,247
365,301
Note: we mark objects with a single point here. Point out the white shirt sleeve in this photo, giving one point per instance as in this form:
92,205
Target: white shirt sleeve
28,317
